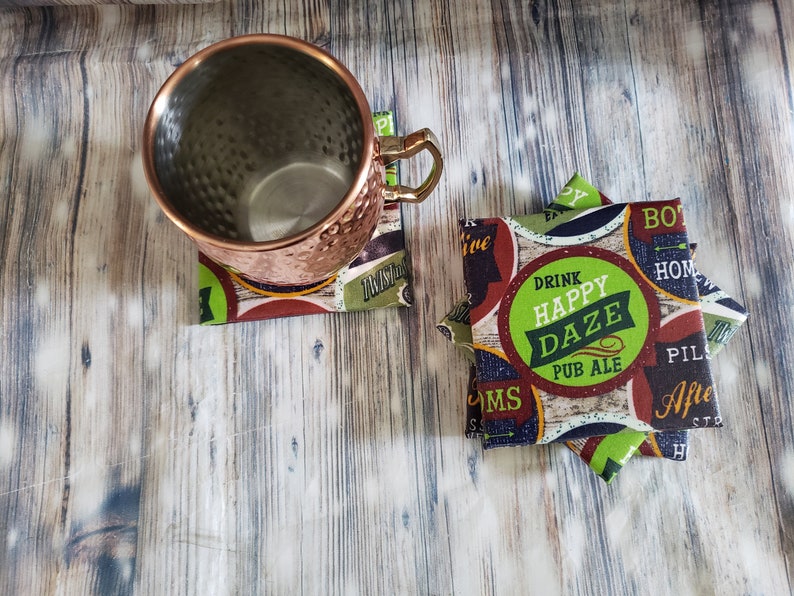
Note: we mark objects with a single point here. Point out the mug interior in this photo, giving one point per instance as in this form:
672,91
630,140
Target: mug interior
257,142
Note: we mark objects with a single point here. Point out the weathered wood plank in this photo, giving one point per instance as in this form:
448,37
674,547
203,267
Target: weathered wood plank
142,453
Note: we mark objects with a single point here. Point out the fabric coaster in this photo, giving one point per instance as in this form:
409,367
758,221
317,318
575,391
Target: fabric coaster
378,278
605,454
587,324
723,317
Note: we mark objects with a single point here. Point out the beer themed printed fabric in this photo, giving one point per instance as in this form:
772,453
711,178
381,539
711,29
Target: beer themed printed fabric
586,322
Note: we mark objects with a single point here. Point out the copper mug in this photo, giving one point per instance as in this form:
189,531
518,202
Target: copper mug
261,148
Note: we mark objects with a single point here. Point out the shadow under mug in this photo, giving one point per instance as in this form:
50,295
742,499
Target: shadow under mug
261,148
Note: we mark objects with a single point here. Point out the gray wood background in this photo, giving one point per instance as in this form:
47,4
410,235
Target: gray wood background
141,453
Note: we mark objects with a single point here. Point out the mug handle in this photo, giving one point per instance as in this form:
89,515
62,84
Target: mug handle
395,148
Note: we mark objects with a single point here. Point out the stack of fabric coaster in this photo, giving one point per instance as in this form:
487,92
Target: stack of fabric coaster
377,278
589,325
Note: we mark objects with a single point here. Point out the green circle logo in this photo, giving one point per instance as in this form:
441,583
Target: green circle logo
579,321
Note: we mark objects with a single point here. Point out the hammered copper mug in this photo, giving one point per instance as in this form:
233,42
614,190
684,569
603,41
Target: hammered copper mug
261,148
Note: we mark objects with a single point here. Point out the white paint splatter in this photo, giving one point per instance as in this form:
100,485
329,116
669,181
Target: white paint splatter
351,587
617,522
396,405
36,138
755,559
126,569
60,212
542,570
762,18
68,147
456,172
695,44
93,394
109,300
523,188
763,375
203,426
168,495
140,188
11,538
170,301
727,371
89,256
134,313
762,73
489,519
787,471
88,489
752,284
153,355
505,71
424,113
400,478
575,545
530,106
51,364
333,415
144,52
714,265
453,481
549,118
41,294
110,17
494,102
8,444
551,481
507,573
134,447
530,132
371,490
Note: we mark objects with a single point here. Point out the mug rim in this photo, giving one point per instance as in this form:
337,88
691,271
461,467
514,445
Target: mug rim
160,102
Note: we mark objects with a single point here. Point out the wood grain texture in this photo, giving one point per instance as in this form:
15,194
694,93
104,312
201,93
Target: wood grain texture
140,453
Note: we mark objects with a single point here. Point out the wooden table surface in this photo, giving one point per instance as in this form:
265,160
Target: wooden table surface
142,453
